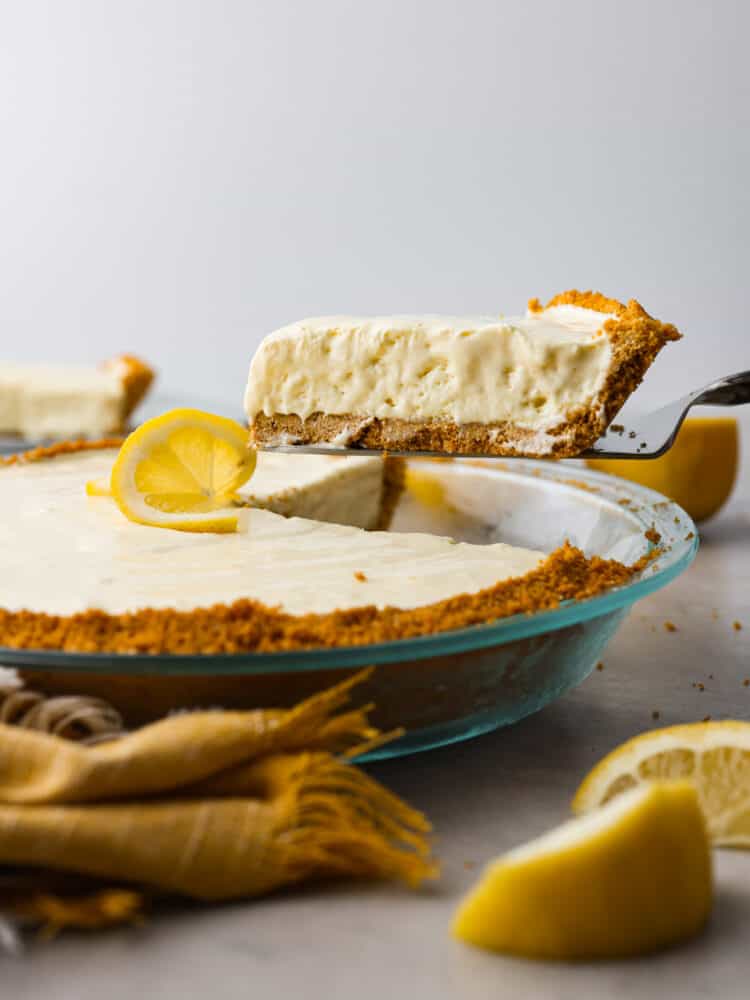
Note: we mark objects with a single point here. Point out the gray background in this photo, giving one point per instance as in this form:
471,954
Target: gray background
179,177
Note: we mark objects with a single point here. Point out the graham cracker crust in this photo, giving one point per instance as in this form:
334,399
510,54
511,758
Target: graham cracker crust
384,434
58,450
248,626
394,484
636,339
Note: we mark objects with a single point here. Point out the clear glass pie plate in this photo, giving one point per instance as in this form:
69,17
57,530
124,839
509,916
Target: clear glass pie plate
448,686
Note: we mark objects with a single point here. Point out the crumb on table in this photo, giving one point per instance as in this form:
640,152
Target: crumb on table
737,626
359,575
670,626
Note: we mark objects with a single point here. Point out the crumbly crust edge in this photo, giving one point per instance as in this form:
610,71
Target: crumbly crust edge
137,378
58,450
445,436
248,626
394,484
636,338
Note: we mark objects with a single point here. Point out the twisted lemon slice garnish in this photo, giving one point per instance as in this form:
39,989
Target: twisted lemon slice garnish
182,470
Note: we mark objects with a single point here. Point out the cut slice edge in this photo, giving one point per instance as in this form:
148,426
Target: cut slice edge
713,756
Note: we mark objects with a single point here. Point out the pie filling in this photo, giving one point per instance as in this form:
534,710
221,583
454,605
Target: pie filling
294,563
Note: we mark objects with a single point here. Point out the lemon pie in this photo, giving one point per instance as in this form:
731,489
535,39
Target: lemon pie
39,402
79,575
547,383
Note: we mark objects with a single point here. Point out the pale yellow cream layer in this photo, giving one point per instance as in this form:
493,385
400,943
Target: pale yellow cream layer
44,401
320,487
529,370
63,552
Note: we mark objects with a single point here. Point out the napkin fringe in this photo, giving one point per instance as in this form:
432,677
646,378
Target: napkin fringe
93,912
344,822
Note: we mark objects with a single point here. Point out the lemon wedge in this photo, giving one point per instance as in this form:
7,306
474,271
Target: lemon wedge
714,756
698,471
631,878
181,470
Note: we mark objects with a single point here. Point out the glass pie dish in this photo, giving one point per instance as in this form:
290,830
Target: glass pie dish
447,686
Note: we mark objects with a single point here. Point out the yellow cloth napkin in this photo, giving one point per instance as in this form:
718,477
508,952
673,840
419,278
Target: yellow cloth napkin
212,805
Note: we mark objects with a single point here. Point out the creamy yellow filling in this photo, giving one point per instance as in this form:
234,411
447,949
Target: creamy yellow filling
38,401
63,552
529,370
323,488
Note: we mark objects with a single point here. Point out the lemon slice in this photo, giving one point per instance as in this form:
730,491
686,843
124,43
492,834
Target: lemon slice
714,756
181,470
631,878
98,488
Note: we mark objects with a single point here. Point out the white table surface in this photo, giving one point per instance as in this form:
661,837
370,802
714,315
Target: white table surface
483,797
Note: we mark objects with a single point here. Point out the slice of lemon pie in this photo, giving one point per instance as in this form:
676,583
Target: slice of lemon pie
547,383
39,402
